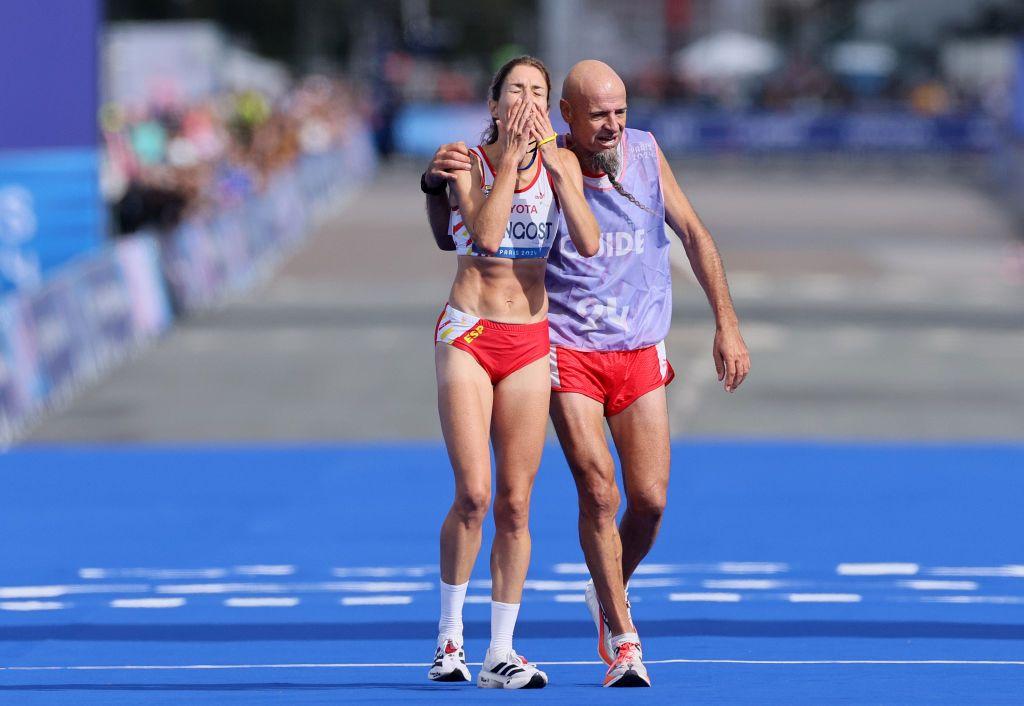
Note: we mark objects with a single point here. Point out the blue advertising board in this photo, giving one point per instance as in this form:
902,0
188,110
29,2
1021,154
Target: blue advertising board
50,205
420,129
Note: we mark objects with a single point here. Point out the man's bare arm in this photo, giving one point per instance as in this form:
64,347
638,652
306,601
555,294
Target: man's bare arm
732,360
448,161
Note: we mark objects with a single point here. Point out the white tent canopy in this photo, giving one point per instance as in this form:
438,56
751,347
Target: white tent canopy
727,55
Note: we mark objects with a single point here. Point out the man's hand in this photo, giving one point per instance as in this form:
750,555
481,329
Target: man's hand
732,360
448,161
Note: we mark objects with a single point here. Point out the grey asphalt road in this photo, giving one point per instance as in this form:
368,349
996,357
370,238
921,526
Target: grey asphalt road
877,304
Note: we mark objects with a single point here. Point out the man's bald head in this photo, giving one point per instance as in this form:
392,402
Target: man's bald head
594,104
590,79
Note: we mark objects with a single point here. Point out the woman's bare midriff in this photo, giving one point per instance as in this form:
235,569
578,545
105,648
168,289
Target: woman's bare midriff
501,289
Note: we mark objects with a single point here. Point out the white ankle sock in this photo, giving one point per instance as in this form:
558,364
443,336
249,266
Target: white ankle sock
503,624
452,598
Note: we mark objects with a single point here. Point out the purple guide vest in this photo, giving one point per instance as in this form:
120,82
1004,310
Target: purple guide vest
620,299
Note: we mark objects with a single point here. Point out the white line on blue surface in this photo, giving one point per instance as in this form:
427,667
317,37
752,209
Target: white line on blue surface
926,585
1011,570
259,602
153,573
365,665
32,605
877,569
376,600
743,584
324,586
147,603
382,571
62,590
265,570
704,597
824,598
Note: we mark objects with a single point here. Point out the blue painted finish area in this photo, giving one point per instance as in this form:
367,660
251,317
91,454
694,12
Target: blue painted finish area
785,572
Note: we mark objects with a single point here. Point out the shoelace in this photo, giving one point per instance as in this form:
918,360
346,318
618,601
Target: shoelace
626,651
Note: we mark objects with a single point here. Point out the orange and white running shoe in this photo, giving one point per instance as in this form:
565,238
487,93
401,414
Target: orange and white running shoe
604,631
628,668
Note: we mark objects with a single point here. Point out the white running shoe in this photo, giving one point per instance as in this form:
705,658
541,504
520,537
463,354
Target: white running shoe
449,662
604,631
628,668
510,672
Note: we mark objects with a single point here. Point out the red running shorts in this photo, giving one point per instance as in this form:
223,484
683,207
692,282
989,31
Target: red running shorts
616,379
499,348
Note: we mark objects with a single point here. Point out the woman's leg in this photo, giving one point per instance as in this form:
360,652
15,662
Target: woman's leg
464,398
517,431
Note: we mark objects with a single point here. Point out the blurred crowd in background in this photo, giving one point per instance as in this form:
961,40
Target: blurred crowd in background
174,150
169,159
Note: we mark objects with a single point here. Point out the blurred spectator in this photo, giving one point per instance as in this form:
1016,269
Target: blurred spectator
164,162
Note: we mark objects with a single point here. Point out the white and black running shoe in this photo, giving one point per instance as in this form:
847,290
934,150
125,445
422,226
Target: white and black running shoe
510,672
449,662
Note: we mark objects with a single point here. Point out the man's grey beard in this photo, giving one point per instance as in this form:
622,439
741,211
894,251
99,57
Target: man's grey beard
607,162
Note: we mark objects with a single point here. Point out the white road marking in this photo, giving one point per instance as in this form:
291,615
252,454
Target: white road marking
63,590
743,584
823,598
147,603
150,573
326,586
383,571
722,567
265,570
366,665
925,585
1012,570
704,597
882,569
32,605
376,600
996,600
570,598
274,602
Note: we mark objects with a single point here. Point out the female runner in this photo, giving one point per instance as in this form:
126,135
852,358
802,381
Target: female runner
491,356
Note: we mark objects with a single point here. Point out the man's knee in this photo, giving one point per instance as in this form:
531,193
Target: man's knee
598,493
648,505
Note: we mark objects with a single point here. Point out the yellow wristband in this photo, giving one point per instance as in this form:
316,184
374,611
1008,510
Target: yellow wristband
547,140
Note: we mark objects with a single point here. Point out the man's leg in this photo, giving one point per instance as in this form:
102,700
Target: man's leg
579,421
641,437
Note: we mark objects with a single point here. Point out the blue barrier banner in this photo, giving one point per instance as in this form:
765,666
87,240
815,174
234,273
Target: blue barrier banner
86,317
1018,92
207,257
420,129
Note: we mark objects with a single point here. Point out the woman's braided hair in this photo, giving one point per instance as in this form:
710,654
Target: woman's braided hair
608,163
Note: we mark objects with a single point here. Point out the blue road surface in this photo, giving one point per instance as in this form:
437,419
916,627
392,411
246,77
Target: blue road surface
784,573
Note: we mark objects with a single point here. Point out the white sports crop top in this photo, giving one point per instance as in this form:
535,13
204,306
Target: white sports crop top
531,225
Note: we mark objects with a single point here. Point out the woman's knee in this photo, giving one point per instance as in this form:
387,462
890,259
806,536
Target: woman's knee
471,505
512,512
